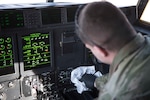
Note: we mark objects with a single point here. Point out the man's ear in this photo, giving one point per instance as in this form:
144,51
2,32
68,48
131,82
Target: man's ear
101,51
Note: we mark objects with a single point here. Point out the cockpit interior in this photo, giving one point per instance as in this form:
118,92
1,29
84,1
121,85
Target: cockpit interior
39,48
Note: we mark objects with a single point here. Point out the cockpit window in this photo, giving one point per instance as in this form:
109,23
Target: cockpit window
115,2
21,1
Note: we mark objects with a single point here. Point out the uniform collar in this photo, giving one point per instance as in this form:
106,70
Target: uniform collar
128,49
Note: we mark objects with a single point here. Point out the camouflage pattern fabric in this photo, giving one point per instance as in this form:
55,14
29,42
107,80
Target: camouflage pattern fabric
129,76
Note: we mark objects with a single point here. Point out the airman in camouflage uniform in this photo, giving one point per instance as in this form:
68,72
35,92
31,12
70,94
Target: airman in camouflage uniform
106,31
129,73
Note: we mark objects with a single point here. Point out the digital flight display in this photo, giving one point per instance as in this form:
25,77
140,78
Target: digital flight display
71,11
146,15
51,16
36,50
11,19
6,56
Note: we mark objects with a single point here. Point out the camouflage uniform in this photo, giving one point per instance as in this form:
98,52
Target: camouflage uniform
128,78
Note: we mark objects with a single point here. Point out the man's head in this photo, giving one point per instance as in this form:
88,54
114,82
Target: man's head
102,26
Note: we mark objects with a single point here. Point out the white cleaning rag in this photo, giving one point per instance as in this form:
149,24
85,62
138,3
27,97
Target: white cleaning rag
77,74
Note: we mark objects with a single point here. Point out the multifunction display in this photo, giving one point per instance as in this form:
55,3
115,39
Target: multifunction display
36,50
6,56
51,16
11,19
71,13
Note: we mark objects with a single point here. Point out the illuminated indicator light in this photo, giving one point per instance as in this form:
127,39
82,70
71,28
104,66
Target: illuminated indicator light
8,40
35,35
33,64
2,47
43,37
46,59
17,15
9,46
28,43
27,47
9,52
7,24
11,61
19,18
1,40
33,58
18,24
28,54
35,44
46,36
6,21
32,38
41,43
39,57
4,63
27,38
3,52
28,51
46,50
37,61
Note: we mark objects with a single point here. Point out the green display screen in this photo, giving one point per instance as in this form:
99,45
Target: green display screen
11,19
36,50
6,56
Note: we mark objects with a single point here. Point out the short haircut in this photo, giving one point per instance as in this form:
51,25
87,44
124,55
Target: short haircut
104,25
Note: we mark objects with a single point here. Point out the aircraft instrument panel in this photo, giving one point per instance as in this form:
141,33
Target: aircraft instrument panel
39,49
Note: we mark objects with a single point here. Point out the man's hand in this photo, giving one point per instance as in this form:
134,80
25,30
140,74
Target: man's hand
78,79
89,80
